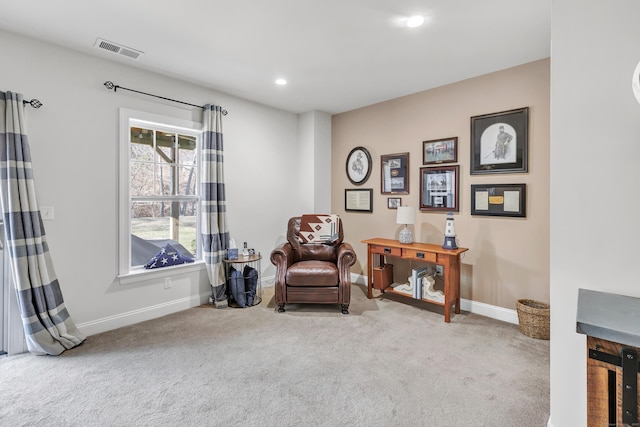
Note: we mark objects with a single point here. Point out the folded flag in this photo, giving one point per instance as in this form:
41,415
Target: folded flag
167,256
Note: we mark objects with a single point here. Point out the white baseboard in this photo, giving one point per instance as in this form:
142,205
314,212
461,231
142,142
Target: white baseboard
487,310
147,313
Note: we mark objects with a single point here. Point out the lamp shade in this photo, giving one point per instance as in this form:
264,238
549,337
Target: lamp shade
405,215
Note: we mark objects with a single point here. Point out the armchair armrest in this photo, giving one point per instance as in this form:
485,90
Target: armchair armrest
282,258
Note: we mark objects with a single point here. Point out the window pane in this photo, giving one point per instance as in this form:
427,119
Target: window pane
141,147
159,223
165,143
187,178
186,150
165,180
141,182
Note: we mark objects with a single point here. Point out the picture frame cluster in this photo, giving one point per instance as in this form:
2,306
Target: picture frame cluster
498,145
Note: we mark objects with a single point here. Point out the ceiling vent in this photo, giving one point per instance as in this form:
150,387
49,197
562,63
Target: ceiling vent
117,48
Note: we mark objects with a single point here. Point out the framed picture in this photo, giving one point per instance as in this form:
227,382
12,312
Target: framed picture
499,142
358,200
440,151
358,165
394,175
439,188
499,200
394,202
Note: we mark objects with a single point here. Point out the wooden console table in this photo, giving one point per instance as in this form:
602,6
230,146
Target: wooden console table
378,249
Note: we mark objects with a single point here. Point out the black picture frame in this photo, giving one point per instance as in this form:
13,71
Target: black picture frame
500,142
358,166
358,199
394,173
438,151
394,202
508,200
439,188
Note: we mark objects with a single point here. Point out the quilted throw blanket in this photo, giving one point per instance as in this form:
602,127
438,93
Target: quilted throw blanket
319,228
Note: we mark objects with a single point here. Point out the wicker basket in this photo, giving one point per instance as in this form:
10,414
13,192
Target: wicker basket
533,317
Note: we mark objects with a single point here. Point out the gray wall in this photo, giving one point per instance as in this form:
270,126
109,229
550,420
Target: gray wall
595,135
74,144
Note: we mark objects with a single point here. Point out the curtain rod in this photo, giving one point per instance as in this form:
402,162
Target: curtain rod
110,85
35,103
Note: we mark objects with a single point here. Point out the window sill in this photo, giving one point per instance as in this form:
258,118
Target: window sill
142,274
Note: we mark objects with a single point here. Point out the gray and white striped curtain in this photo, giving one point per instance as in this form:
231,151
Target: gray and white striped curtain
48,327
213,211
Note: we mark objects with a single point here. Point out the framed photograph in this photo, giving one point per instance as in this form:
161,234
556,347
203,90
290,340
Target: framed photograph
394,175
358,200
499,142
439,188
358,165
440,151
499,200
394,202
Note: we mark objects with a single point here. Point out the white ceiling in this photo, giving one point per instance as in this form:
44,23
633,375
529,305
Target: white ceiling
337,55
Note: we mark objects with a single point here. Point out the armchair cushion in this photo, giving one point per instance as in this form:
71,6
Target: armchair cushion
312,273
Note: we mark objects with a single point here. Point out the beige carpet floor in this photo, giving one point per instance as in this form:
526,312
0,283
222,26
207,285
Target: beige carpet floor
387,363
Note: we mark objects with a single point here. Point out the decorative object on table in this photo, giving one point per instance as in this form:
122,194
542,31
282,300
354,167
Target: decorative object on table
358,165
449,233
439,188
325,265
417,275
394,177
358,200
499,142
440,151
406,215
166,257
245,250
232,253
499,200
429,292
394,202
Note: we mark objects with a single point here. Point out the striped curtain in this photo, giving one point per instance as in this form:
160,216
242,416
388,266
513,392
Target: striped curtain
213,209
47,324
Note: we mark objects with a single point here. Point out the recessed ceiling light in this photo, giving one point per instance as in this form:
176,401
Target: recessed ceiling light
415,21
281,82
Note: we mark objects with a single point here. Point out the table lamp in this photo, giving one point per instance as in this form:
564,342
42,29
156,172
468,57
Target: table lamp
406,215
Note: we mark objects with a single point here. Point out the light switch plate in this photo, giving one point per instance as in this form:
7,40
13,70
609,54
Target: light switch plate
46,212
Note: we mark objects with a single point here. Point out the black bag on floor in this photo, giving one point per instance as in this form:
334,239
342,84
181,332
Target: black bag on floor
250,283
236,286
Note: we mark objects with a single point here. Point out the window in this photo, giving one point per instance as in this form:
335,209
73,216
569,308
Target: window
159,191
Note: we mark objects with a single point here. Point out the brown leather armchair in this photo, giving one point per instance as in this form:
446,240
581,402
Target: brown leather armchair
313,272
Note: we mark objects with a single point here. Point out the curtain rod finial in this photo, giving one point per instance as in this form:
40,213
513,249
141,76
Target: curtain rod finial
109,85
35,103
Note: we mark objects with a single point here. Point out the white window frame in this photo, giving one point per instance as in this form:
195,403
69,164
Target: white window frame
127,273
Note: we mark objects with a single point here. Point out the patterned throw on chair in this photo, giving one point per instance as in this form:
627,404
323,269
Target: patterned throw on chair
319,228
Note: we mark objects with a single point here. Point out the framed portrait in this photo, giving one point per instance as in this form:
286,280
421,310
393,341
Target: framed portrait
358,165
358,200
394,175
439,188
499,200
499,142
440,151
394,202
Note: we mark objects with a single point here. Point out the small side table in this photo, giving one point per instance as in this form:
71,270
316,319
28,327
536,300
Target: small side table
252,261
